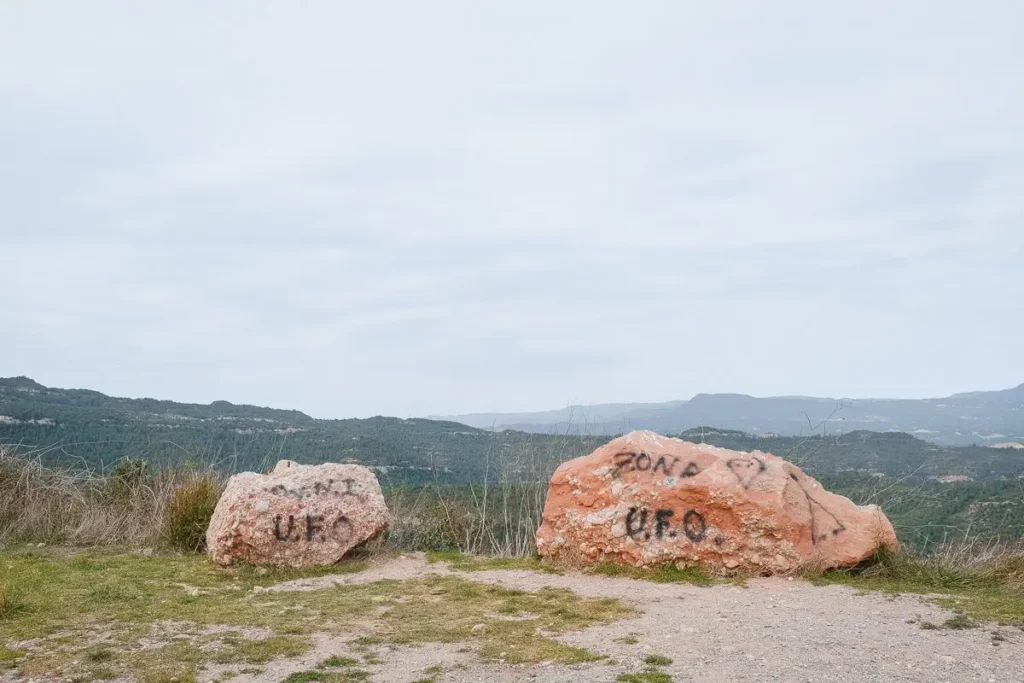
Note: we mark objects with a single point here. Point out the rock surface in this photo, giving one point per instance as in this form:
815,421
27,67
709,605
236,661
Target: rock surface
645,499
298,515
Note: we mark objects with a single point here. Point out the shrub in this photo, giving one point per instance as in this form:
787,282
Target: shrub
189,511
125,480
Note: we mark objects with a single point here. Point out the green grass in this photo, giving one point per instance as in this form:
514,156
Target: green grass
9,657
188,513
628,640
352,676
10,599
363,642
305,677
665,573
263,650
463,562
337,662
959,623
980,594
649,676
103,674
657,660
65,594
98,654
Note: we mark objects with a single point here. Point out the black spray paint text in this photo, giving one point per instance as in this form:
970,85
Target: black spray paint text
311,528
628,461
642,525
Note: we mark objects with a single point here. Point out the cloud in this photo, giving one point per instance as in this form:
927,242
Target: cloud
414,209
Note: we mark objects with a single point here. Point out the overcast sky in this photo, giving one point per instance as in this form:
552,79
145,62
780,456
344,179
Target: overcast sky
359,208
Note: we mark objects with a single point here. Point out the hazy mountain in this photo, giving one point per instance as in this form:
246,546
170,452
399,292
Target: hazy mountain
980,417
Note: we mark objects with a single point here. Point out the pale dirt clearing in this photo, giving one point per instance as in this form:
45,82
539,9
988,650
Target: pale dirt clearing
770,630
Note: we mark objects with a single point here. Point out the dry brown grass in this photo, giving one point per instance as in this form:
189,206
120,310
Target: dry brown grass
497,517
134,505
1000,560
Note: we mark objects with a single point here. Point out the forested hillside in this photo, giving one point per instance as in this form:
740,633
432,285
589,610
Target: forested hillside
927,489
97,431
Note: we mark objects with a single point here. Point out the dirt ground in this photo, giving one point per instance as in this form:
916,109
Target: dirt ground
768,630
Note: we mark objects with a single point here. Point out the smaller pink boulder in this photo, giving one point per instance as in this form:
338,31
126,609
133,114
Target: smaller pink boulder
296,516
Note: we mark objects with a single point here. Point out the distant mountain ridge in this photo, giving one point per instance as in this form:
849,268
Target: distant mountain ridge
978,417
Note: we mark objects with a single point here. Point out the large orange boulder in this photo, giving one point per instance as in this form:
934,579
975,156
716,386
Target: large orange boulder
646,499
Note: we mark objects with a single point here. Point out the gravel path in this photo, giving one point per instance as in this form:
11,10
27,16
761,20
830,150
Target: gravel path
770,630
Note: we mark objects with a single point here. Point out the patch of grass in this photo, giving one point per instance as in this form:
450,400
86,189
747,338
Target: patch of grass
445,609
657,660
10,598
99,654
665,573
363,642
327,677
649,676
155,677
960,622
529,648
264,576
262,651
983,595
628,640
337,662
8,657
178,661
463,562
